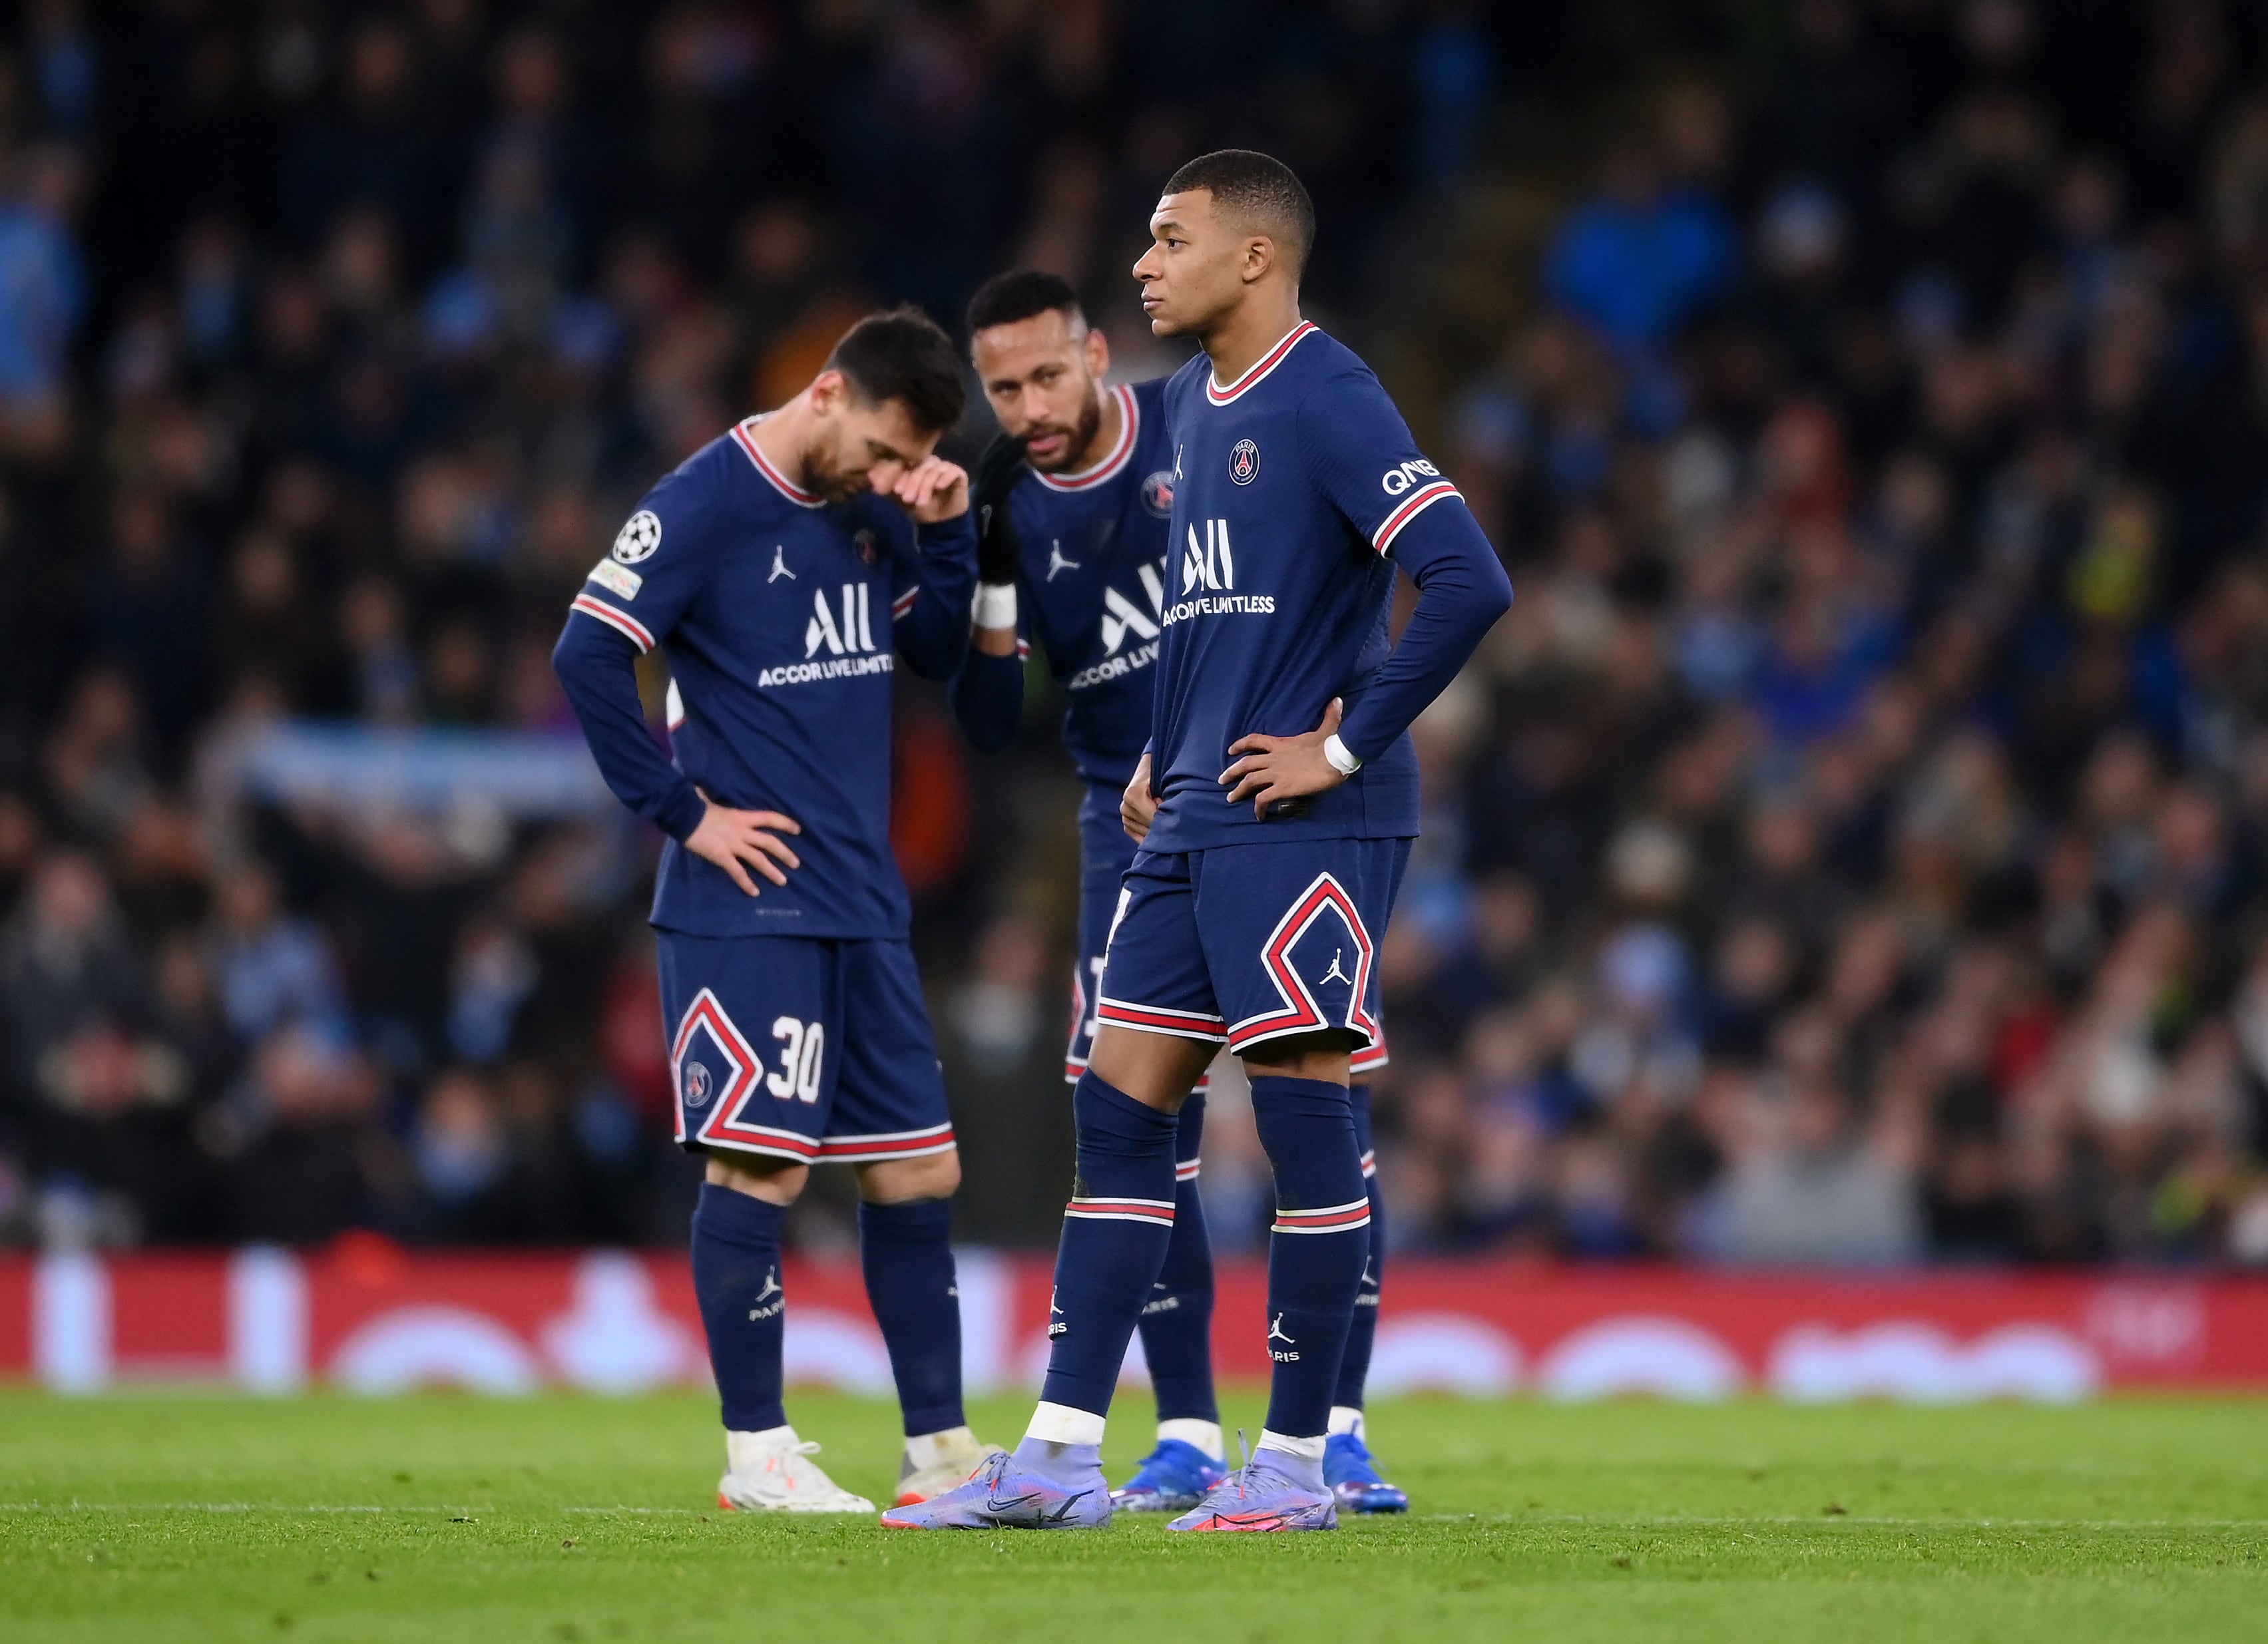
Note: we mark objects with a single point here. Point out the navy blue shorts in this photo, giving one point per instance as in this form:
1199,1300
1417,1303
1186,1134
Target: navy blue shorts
1243,943
801,1048
1105,854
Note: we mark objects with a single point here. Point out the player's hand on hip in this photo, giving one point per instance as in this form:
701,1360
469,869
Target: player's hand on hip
933,489
737,840
1276,769
1138,807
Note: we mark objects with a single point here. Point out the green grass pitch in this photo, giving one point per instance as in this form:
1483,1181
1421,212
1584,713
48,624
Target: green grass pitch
152,1518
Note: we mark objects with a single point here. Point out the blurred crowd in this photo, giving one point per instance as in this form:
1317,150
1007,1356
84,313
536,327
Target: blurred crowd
1849,850
1851,847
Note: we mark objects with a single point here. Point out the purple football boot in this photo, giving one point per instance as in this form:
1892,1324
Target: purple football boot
1261,1495
1061,1487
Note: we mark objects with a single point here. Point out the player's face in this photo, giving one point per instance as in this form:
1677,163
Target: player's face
858,445
1041,375
1198,266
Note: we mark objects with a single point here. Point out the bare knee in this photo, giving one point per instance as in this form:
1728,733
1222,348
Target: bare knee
903,1181
1302,1056
1156,1069
775,1181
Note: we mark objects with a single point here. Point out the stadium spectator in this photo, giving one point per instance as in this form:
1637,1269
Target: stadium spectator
1849,849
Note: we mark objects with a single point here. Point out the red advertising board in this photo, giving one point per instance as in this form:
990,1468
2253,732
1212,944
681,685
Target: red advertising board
370,1318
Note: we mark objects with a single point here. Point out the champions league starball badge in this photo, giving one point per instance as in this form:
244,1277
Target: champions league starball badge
640,536
1244,462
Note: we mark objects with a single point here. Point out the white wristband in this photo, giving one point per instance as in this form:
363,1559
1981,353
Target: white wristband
995,606
1342,762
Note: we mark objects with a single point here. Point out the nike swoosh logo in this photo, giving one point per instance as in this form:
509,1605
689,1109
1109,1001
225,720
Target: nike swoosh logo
994,1504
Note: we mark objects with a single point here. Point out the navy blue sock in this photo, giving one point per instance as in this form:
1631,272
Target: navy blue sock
736,1277
1316,1251
1354,1366
1116,1230
1177,1319
906,1251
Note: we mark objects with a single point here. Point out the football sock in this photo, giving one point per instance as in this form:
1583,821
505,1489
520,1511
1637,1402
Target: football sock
1300,1460
1114,1234
906,1251
1177,1319
736,1278
1354,1366
1316,1250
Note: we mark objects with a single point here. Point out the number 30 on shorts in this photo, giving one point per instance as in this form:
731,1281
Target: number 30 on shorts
800,1061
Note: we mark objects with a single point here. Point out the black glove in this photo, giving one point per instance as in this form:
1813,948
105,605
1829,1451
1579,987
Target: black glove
999,550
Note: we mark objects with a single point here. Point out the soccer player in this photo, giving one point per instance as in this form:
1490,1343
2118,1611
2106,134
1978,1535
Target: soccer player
1072,500
1275,809
779,566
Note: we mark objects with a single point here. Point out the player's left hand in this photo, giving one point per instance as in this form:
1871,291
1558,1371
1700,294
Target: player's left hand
933,489
1283,767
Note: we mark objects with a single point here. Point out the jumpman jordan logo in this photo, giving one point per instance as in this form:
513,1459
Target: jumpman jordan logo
1275,1332
1335,974
771,1284
1056,560
779,564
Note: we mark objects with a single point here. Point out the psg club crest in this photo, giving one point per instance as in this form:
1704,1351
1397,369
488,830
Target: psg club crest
638,538
863,540
1244,462
697,1085
1158,495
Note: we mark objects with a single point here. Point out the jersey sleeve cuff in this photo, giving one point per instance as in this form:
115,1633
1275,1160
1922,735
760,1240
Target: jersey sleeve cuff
681,812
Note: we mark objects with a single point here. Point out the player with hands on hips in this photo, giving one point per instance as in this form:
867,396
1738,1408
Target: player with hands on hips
1286,797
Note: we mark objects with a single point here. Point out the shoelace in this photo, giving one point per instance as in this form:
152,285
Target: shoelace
1245,1451
783,1458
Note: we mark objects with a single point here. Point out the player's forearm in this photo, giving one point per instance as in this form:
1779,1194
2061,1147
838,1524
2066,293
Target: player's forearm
988,699
1461,591
932,633
598,669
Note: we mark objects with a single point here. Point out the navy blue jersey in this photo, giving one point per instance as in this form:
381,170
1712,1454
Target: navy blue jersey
1291,486
780,615
1089,591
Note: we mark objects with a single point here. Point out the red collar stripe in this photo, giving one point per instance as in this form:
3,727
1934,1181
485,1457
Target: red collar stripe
747,443
1129,422
1267,363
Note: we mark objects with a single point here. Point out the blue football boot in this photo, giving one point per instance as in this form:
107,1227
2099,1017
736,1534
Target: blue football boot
1008,1493
1258,1497
1172,1478
1352,1475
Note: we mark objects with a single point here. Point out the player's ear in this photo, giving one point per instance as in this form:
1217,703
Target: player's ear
1098,351
1259,258
827,391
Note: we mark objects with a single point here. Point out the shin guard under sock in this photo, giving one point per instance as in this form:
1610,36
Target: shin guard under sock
1317,1247
736,1278
906,1252
1177,1318
1116,1230
1354,1366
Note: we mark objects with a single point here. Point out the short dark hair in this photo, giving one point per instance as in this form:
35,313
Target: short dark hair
1019,294
1257,190
901,354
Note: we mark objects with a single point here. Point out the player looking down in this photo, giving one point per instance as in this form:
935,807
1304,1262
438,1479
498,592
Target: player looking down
1072,499
778,565
1275,809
